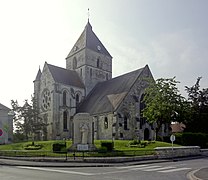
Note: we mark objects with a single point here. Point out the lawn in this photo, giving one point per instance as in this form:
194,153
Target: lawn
121,148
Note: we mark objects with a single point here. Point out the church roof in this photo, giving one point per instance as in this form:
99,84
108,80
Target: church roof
65,76
2,107
108,95
88,39
38,75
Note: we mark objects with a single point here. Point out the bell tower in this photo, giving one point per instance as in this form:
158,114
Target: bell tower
90,59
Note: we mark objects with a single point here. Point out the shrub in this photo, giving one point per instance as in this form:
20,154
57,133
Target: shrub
178,138
159,138
33,146
144,143
135,142
166,139
138,143
195,139
102,149
59,147
109,145
192,139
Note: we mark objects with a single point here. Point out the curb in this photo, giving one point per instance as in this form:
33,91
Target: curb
8,161
191,175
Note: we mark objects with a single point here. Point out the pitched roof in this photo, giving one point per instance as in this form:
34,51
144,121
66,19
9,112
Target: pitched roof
88,39
2,107
65,76
107,96
38,75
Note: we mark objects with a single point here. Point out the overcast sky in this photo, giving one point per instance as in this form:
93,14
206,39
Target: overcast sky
171,36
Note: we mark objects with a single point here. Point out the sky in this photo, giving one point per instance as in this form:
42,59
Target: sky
171,36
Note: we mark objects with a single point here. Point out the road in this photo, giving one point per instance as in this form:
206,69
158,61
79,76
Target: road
155,171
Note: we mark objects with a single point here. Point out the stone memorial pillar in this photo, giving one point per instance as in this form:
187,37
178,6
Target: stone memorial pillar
82,133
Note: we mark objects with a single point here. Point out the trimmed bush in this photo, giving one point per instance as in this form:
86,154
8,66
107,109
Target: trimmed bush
134,142
191,139
108,145
102,150
59,147
195,139
178,138
33,146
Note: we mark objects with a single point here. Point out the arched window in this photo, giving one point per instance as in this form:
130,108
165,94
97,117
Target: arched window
70,102
81,72
106,76
74,63
90,73
77,99
65,120
106,123
64,98
98,62
125,123
142,106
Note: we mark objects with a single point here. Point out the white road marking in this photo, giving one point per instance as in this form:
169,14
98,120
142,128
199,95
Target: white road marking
160,168
148,167
173,170
55,170
135,166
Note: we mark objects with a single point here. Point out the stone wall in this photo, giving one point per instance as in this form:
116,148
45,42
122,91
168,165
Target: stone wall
204,152
169,152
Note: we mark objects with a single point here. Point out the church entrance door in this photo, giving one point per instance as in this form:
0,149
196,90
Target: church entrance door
146,134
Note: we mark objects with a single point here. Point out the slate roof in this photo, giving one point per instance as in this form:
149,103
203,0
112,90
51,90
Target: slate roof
108,95
38,75
88,39
65,76
2,107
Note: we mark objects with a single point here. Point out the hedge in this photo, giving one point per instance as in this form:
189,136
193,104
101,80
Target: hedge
192,139
109,146
59,147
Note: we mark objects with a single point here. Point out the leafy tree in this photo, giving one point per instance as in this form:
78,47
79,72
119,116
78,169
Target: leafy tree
164,103
27,121
198,121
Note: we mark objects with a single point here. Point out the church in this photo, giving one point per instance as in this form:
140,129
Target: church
86,86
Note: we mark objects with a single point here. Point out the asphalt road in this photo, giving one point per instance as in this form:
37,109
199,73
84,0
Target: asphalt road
154,171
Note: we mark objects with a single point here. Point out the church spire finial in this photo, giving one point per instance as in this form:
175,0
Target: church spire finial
88,14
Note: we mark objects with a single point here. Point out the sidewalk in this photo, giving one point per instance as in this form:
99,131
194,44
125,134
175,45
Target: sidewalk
199,174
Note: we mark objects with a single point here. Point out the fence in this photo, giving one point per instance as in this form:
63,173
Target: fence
32,153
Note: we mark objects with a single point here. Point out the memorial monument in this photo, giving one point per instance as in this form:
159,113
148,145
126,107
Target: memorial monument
82,139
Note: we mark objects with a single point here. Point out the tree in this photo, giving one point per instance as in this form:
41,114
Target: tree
27,121
164,103
198,121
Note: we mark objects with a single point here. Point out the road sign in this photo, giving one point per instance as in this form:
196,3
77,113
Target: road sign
1,132
172,138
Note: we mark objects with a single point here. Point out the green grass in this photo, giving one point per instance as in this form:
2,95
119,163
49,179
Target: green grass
124,145
46,145
121,148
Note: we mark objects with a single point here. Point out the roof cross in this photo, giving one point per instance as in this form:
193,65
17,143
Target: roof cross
88,14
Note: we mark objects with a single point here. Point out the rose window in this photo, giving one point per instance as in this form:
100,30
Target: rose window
46,99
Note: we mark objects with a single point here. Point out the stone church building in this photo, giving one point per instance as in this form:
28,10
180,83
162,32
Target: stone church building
86,86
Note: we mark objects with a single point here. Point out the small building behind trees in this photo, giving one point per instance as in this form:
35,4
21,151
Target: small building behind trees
6,125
